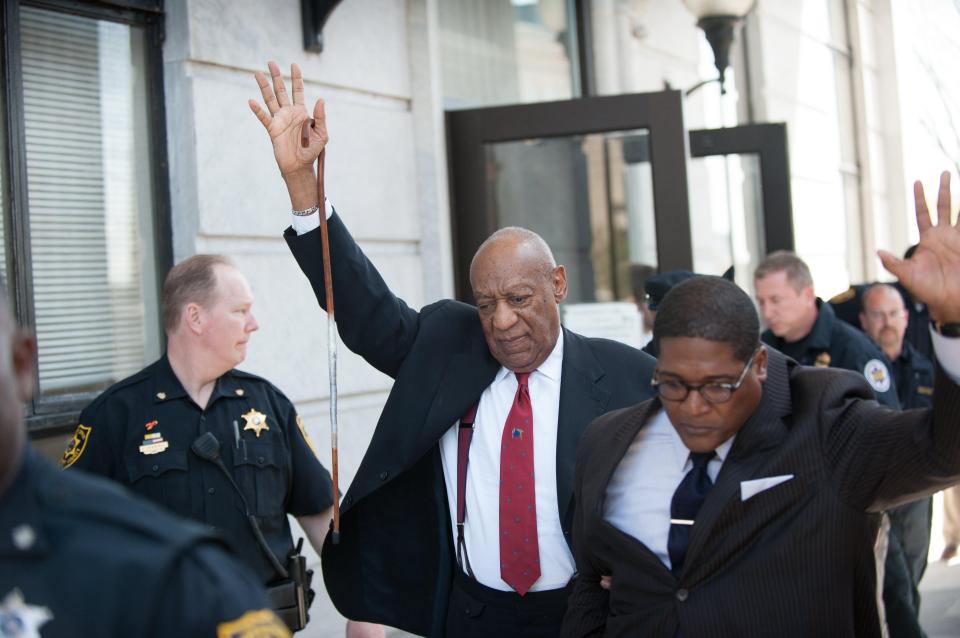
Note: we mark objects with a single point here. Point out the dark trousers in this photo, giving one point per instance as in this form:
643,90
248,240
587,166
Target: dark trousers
906,561
477,611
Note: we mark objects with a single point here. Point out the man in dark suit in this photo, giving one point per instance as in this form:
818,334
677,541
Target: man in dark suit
533,385
744,500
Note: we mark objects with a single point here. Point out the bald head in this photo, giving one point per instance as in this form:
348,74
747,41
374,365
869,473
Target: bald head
515,243
518,285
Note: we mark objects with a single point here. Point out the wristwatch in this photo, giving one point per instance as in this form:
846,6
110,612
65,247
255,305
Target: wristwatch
946,329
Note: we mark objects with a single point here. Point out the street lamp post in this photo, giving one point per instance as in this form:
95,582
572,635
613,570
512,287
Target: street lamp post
718,19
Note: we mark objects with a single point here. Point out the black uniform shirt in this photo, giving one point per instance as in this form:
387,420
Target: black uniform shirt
139,433
834,343
80,557
914,375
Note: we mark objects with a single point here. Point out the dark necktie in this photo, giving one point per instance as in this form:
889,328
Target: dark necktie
519,549
690,495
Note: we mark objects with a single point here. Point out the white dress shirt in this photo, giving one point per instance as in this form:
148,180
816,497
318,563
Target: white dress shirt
640,491
482,528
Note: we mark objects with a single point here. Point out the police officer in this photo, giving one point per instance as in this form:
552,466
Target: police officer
206,441
80,557
656,288
803,327
848,304
884,319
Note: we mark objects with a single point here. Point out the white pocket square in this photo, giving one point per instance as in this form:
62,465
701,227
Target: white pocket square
754,487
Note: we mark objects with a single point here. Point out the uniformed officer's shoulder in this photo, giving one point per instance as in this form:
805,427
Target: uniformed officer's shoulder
105,509
256,382
123,390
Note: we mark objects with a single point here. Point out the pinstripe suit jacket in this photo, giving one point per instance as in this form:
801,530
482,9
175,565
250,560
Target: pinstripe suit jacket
793,560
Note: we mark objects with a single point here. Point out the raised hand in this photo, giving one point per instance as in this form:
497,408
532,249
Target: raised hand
283,120
932,274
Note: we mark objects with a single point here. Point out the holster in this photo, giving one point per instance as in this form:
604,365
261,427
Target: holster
290,598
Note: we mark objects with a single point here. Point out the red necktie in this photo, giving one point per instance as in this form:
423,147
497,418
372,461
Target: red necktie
519,549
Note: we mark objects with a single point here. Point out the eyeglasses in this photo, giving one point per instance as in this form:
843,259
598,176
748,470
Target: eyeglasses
676,390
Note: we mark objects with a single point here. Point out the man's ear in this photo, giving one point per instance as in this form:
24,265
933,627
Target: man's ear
760,364
24,355
559,283
192,318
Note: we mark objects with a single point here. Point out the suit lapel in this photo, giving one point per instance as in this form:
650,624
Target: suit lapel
762,432
582,399
473,373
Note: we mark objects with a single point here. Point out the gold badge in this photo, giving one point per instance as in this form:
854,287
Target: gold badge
306,437
256,421
262,623
925,390
76,446
823,360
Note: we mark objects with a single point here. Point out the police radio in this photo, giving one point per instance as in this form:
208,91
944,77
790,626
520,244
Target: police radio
291,595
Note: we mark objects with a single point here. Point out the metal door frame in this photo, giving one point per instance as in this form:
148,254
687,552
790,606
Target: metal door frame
469,131
769,141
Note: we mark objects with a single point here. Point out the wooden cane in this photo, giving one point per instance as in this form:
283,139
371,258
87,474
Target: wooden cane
331,328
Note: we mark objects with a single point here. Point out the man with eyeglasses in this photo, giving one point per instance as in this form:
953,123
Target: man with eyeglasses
744,499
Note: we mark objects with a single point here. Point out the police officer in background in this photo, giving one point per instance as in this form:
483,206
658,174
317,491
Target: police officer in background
81,557
656,288
884,319
210,442
848,304
803,327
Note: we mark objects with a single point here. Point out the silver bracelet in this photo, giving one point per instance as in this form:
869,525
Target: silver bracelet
307,211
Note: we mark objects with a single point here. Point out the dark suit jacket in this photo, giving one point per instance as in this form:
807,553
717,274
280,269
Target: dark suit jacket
793,560
394,561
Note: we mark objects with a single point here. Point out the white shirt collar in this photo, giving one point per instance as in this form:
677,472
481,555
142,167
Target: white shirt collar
551,368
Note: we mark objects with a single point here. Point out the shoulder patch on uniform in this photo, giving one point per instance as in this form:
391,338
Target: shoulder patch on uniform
846,295
306,437
262,623
877,375
76,446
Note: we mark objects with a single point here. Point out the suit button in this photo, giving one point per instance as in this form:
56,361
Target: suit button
682,595
384,475
211,491
156,467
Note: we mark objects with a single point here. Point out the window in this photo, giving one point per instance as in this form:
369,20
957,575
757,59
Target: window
85,208
507,51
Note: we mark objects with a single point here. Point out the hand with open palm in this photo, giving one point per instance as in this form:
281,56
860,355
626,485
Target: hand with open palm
283,121
932,274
